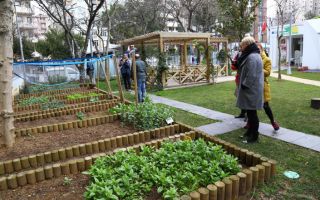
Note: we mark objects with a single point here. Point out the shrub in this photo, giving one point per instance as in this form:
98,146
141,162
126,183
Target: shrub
175,169
144,116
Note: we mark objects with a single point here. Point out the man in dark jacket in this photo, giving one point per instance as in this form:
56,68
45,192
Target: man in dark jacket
251,83
141,78
125,72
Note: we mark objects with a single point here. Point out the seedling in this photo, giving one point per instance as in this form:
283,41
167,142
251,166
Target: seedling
67,181
80,115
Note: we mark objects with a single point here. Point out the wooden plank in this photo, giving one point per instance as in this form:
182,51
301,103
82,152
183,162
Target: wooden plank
134,69
118,79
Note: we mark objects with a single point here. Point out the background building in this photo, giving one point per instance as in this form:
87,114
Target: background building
261,19
31,22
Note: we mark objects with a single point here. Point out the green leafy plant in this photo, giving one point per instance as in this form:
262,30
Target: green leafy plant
175,169
52,105
80,115
67,181
79,95
144,116
34,100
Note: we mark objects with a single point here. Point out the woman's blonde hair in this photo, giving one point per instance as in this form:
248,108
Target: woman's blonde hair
246,41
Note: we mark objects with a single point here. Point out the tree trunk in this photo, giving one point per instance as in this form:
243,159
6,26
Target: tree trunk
6,54
279,51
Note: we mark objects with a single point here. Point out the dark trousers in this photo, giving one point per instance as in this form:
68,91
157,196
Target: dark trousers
268,111
127,81
253,120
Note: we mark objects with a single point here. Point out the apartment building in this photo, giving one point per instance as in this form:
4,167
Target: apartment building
31,22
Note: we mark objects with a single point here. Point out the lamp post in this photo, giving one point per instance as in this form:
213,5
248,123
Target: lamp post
290,50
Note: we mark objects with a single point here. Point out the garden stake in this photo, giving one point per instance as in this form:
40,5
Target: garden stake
76,151
12,181
69,152
195,195
31,177
113,143
82,149
47,157
228,188
248,173
21,179
249,158
255,176
24,162
273,167
136,138
40,174
62,154
80,165
17,164
73,167
95,147
88,162
204,193
3,184
141,137
131,139
33,161
242,183
213,192
185,197
65,170
107,143
267,167
40,159
235,186
55,155
261,169
102,146
220,190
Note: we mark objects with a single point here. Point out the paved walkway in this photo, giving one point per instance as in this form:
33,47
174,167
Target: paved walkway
229,123
298,80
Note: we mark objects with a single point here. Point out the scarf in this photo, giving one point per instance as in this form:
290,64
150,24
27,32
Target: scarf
252,48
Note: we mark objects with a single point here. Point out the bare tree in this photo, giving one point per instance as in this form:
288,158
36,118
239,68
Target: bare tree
184,9
61,12
6,42
281,20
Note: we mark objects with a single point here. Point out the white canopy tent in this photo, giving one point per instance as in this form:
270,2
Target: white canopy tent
305,48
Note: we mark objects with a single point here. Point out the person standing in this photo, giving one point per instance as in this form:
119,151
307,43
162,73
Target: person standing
267,95
250,96
141,78
90,73
125,72
235,67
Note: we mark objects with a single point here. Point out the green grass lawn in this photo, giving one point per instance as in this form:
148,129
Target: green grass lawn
290,102
306,75
190,118
290,157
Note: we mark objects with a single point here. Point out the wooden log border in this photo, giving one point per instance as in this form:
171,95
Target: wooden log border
87,107
75,101
46,168
52,92
62,96
238,186
88,122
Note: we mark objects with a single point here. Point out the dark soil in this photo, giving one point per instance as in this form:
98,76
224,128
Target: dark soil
56,189
54,120
53,189
49,141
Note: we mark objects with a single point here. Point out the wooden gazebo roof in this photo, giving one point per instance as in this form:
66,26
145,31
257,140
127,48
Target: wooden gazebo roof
171,37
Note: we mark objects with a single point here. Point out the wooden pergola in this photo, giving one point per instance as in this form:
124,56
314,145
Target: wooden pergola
178,38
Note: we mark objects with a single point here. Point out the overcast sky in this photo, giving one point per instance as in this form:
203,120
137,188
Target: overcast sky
271,8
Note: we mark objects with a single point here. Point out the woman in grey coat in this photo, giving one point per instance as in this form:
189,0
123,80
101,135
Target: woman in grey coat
250,95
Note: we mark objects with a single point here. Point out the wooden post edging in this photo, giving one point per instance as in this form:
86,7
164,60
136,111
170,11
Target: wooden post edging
75,165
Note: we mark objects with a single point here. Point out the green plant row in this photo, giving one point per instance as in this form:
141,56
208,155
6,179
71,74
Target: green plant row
175,169
79,95
34,100
144,116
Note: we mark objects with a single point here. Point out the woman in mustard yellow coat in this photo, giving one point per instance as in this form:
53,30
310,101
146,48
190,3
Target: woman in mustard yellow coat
267,96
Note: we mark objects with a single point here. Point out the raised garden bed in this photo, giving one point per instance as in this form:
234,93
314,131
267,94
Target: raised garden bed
55,143
258,169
